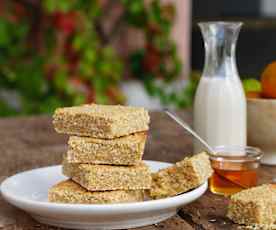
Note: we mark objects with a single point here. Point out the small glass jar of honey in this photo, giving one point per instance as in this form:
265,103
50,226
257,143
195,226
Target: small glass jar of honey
235,168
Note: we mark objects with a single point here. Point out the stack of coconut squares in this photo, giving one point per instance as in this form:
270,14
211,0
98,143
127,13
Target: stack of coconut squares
104,157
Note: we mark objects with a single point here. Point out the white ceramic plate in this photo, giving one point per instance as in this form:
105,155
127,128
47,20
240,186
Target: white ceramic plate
28,191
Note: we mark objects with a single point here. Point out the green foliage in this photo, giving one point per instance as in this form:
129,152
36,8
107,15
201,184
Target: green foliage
10,37
59,62
36,86
62,56
159,57
6,110
90,7
136,14
60,5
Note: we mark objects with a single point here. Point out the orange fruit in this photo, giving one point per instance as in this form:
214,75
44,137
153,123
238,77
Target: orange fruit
268,81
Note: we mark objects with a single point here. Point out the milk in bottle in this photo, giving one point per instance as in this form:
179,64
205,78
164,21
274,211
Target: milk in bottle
220,104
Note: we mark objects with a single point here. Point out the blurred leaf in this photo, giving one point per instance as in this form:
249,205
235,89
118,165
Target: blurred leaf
79,99
136,13
136,60
90,55
79,42
51,69
4,33
50,104
59,5
86,69
6,110
30,78
60,80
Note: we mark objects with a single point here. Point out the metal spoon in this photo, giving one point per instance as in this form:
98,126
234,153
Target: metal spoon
184,125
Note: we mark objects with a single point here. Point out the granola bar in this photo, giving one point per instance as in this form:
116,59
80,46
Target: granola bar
70,192
181,177
101,121
127,150
108,177
254,206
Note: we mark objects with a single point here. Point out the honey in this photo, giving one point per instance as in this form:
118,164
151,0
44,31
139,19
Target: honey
234,173
228,182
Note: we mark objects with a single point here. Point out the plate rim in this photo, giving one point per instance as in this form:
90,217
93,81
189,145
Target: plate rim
148,205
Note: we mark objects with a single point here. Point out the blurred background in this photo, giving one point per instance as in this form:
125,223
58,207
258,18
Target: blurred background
147,53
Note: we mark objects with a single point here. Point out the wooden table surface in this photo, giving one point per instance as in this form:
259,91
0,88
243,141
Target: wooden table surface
27,143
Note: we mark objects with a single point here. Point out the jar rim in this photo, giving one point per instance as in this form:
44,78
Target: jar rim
249,154
224,23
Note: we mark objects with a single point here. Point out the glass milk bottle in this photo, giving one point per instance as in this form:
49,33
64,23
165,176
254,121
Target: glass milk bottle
220,104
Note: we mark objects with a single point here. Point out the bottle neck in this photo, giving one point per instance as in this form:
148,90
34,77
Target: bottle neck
220,45
219,61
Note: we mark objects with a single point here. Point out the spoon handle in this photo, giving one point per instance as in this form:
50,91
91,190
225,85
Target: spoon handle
183,124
